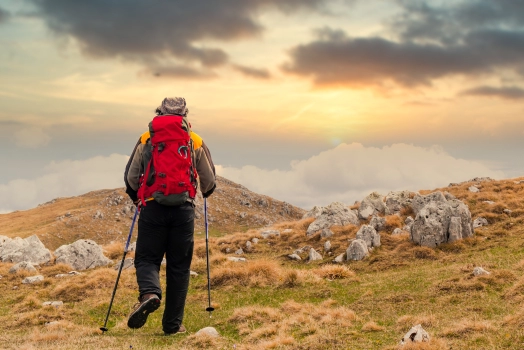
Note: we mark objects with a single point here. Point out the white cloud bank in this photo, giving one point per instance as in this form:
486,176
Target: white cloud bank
350,172
63,179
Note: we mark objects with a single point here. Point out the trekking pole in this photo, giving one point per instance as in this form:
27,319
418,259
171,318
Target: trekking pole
137,210
209,308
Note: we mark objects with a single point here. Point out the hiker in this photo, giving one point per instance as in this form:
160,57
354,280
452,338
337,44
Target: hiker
165,187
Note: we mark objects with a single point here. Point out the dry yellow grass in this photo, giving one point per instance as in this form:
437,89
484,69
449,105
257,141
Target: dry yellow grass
333,272
372,326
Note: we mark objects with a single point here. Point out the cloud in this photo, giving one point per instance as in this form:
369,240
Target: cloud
508,92
4,16
32,137
163,32
349,172
418,46
252,72
62,179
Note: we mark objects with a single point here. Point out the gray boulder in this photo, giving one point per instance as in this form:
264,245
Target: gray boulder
29,249
378,223
24,265
339,259
417,334
33,279
473,189
327,246
128,263
371,205
56,303
357,250
313,213
270,233
479,271
295,257
368,234
420,201
82,255
314,255
335,214
326,233
209,331
479,222
397,200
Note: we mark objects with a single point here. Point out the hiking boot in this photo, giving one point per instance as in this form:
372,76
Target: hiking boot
147,303
182,329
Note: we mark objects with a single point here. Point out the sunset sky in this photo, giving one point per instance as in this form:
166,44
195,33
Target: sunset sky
308,101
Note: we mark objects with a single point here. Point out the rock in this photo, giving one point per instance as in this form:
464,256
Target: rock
449,196
339,259
287,230
24,265
33,279
98,215
440,221
327,246
397,231
409,221
248,245
378,223
239,251
478,271
254,240
395,201
30,249
326,233
69,274
371,205
473,189
82,255
357,250
368,234
294,257
132,247
128,263
335,214
314,255
210,331
235,259
270,233
52,323
479,222
193,273
53,303
417,334
488,202
419,201
313,213
507,211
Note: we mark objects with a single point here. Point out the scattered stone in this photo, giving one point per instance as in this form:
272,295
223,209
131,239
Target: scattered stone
294,257
69,274
128,263
409,220
53,303
417,334
314,255
478,271
518,182
248,245
327,246
33,279
397,231
15,287
357,250
473,189
507,211
488,202
270,233
98,215
378,223
228,250
335,214
210,331
29,249
193,273
235,259
479,222
239,251
82,255
52,323
132,247
242,215
326,233
368,234
339,259
397,200
24,265
287,230
254,240
371,205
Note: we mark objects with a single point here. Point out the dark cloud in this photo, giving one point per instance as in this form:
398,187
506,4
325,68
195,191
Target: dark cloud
159,32
509,92
428,43
253,72
4,15
179,71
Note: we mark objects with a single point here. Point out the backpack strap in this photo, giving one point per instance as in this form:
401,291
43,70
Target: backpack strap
197,140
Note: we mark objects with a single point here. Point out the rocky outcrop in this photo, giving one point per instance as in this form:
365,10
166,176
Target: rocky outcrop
368,234
378,223
29,249
82,255
335,214
396,201
439,220
371,205
313,213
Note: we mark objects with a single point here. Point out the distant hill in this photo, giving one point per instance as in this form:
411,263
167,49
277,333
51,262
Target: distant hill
105,215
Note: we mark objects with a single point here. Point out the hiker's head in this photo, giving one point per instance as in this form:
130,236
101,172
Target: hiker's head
172,105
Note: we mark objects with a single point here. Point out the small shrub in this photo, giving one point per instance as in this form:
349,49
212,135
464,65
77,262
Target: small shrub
333,272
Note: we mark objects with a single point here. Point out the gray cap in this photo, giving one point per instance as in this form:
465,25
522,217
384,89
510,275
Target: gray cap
173,105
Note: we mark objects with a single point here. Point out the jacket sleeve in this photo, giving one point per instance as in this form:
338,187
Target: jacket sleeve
133,171
206,170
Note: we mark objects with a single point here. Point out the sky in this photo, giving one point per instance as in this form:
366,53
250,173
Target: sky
307,101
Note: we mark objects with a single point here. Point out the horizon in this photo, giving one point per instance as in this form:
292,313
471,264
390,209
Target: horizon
309,102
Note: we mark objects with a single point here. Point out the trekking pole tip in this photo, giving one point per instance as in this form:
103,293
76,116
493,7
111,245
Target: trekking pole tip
103,329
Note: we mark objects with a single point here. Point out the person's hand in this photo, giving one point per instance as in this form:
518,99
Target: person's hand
137,202
208,193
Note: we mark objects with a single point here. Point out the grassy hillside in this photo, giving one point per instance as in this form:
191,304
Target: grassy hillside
271,302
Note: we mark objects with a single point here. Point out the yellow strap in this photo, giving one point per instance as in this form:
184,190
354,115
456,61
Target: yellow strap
197,140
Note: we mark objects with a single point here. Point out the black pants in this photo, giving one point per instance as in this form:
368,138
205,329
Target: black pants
169,230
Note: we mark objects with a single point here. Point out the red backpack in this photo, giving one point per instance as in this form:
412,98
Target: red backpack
169,176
